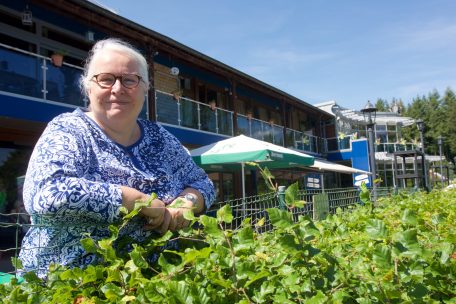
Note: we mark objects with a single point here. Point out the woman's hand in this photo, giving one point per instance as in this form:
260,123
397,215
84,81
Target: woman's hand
155,214
173,218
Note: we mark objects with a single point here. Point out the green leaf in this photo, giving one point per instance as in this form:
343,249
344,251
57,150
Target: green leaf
256,277
437,218
382,256
299,204
243,239
17,263
267,177
31,277
446,251
364,195
409,240
70,274
89,245
137,256
409,217
177,204
292,194
113,275
130,267
189,215
180,292
376,229
211,226
280,218
225,214
89,275
123,210
319,298
112,292
419,291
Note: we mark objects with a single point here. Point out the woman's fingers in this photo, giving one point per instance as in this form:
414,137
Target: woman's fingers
165,224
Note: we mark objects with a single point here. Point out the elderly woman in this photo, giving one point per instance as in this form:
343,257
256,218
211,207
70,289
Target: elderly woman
87,165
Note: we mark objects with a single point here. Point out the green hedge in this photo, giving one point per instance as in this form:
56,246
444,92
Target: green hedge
401,251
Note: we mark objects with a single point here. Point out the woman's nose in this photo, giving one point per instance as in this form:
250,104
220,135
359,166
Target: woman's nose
117,86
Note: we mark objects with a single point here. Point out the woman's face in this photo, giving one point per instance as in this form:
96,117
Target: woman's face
118,104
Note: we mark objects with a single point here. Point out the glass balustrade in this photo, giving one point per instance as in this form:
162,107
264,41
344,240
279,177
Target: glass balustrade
225,122
243,125
304,142
260,129
192,114
33,75
337,143
395,147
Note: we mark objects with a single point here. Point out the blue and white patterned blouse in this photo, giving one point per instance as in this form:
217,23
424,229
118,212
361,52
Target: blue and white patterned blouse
72,185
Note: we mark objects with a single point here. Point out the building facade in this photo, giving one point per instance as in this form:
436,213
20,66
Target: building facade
197,98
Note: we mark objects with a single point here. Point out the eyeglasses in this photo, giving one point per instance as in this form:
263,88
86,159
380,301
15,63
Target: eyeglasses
107,80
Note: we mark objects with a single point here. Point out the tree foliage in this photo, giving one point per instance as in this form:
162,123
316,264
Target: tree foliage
439,115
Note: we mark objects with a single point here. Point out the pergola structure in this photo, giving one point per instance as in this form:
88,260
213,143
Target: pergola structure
418,172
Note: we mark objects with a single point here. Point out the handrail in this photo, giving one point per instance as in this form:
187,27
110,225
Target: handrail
37,55
32,75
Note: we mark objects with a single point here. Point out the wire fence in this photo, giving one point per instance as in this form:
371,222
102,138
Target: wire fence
318,205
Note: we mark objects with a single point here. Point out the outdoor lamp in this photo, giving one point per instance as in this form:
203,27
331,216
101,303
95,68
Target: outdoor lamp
26,17
369,113
440,141
420,125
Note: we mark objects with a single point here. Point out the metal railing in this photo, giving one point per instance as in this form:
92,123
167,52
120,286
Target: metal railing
260,129
192,114
254,207
337,143
185,112
395,147
33,75
305,142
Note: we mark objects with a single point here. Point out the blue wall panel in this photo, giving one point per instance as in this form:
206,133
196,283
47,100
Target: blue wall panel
27,109
358,155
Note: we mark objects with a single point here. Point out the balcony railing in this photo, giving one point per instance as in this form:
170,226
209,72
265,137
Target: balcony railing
395,147
34,75
196,115
260,129
192,114
337,143
305,142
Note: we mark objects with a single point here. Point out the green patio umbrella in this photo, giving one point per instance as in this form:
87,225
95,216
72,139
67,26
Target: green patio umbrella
235,152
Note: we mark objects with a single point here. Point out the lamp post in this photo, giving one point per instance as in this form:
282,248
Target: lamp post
440,143
420,125
369,113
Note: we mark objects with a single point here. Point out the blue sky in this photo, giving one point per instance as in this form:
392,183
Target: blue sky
348,51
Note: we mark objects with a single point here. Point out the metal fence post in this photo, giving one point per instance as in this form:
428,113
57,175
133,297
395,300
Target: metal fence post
281,196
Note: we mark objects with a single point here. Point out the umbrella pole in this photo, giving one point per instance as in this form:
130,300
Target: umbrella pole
322,182
243,189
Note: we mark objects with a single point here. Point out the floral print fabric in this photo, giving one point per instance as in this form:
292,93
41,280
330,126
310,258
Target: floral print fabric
72,185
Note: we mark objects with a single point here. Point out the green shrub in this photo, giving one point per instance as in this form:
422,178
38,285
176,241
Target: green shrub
401,251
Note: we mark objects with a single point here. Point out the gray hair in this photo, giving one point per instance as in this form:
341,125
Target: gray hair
113,44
